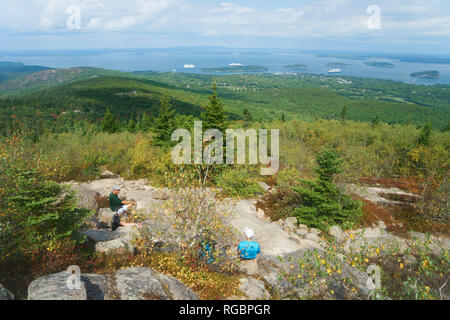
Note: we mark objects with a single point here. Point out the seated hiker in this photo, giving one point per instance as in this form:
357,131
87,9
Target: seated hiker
119,207
248,251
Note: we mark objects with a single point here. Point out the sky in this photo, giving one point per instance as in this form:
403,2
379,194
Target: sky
403,26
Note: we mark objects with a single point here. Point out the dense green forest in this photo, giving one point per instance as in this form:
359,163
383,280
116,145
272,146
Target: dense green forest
56,99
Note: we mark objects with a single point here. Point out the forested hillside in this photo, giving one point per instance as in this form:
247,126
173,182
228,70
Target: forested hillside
10,70
56,99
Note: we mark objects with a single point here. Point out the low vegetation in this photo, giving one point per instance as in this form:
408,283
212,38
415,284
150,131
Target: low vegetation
318,158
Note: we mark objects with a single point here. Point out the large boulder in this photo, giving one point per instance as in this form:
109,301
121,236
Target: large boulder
115,246
312,237
436,244
270,271
138,283
5,294
109,242
106,174
54,287
104,217
301,232
289,225
97,286
336,232
274,271
86,197
107,235
126,284
254,289
376,237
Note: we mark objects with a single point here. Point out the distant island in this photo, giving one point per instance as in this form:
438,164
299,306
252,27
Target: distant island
296,67
379,64
235,68
337,64
426,74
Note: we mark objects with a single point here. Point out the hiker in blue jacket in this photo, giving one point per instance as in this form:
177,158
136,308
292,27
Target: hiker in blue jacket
248,251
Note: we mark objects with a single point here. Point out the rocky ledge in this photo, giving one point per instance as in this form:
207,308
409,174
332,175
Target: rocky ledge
133,283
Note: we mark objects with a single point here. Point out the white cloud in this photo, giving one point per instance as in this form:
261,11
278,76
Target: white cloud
291,12
231,7
321,18
98,15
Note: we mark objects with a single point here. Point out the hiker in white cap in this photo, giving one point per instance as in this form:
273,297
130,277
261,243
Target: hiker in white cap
119,207
248,250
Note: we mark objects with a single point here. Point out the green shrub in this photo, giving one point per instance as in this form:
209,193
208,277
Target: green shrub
238,183
35,212
322,203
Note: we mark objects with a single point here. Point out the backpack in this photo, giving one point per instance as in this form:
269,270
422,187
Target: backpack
115,222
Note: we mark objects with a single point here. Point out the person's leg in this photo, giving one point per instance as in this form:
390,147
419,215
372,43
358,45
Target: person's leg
252,267
123,210
249,267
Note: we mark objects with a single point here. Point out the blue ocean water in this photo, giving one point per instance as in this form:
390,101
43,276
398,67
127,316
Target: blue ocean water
168,60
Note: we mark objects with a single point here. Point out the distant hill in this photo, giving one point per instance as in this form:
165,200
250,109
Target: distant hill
55,99
87,100
11,70
47,78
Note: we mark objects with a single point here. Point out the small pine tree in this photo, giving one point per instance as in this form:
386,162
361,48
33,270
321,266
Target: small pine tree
424,138
132,127
214,115
145,123
376,121
322,203
164,124
247,117
109,123
329,164
344,113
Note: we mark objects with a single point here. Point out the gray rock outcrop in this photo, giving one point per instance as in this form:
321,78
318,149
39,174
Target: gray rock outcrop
138,283
254,289
104,217
54,287
127,284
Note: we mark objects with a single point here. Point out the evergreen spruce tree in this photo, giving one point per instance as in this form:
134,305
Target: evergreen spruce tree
344,113
322,203
164,124
109,123
376,121
214,115
145,123
424,138
132,127
248,118
38,211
